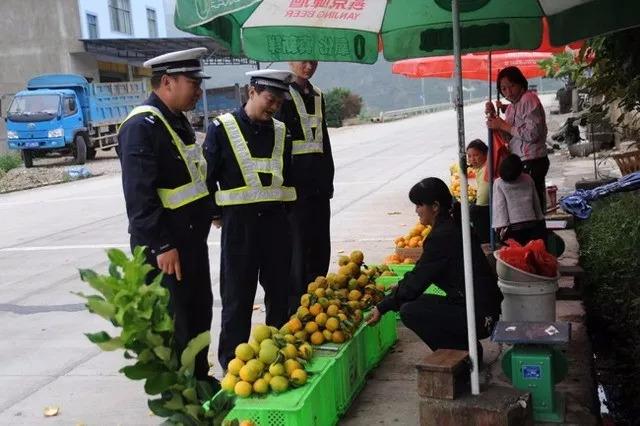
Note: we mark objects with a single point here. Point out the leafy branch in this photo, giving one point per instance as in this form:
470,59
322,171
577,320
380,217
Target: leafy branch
140,310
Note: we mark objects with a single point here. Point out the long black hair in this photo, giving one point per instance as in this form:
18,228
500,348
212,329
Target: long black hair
431,190
514,75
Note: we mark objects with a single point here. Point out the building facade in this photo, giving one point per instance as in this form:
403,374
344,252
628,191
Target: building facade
40,37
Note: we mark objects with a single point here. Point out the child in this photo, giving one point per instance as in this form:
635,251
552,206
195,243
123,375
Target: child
516,209
477,159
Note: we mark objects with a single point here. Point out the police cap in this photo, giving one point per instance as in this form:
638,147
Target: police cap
181,62
275,80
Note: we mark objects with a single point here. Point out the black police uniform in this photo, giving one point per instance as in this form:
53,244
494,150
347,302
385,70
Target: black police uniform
150,161
255,242
312,176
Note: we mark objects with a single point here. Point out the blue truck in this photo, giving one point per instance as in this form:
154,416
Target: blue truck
65,113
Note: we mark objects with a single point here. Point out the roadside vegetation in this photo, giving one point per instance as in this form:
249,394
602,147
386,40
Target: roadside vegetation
610,255
9,161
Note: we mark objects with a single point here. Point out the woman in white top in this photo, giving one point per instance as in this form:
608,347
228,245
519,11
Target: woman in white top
516,209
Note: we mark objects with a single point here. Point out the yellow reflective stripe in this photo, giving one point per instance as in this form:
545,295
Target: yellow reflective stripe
311,144
182,195
249,195
193,159
254,191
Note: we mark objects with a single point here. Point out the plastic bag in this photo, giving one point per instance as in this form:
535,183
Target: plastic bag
542,261
533,258
500,150
516,255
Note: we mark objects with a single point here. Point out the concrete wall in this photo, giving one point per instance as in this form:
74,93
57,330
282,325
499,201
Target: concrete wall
39,37
140,28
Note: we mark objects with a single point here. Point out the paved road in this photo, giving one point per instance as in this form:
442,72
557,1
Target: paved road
48,233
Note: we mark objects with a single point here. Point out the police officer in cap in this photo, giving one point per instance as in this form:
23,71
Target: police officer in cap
248,154
312,174
168,205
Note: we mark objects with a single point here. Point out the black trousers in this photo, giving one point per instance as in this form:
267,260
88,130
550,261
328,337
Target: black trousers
311,249
480,220
442,325
256,246
538,169
190,300
527,231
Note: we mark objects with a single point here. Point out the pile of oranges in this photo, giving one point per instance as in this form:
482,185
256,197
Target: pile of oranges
414,238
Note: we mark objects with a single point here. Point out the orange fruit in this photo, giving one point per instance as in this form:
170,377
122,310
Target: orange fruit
317,338
312,287
327,335
315,309
338,337
295,325
311,327
332,324
332,310
321,319
354,295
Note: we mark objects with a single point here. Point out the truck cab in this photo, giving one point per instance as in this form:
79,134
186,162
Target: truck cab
65,113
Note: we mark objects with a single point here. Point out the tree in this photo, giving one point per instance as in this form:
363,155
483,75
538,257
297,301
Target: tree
340,103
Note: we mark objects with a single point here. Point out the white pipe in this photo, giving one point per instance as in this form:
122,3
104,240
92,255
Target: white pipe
466,231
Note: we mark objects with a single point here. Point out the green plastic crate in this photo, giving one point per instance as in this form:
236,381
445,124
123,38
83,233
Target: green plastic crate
349,370
387,281
379,339
305,406
401,269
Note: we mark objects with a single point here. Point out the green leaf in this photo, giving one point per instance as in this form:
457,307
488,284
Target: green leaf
158,408
114,272
184,419
154,339
99,337
205,390
105,309
140,370
160,383
175,403
146,355
111,345
194,410
165,324
117,257
195,345
163,352
190,394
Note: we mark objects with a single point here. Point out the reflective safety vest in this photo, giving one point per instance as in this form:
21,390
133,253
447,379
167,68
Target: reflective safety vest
254,191
193,159
311,144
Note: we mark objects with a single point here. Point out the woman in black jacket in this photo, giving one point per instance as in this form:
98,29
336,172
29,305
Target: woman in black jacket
440,321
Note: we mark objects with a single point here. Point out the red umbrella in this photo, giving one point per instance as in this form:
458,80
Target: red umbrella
475,67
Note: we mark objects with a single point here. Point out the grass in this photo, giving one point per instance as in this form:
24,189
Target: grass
9,161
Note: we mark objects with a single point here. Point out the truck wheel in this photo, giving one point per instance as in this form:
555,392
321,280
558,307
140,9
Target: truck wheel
91,153
27,158
79,149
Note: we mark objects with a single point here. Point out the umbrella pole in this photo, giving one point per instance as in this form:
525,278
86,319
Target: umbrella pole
466,231
492,237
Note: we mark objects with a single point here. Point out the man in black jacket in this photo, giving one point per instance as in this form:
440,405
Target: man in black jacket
312,171
168,205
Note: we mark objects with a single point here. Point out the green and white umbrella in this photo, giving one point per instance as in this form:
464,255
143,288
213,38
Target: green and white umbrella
356,30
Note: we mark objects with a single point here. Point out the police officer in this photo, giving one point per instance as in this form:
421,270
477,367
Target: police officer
312,174
169,207
248,154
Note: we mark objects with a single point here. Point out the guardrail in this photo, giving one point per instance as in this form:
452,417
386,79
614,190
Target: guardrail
400,114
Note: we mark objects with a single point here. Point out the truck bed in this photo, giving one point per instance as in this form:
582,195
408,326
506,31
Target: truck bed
110,103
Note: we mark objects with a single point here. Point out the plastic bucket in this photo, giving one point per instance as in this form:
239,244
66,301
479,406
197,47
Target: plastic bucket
528,301
507,272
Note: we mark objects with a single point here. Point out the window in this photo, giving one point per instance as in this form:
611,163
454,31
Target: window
152,23
69,106
120,12
92,25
